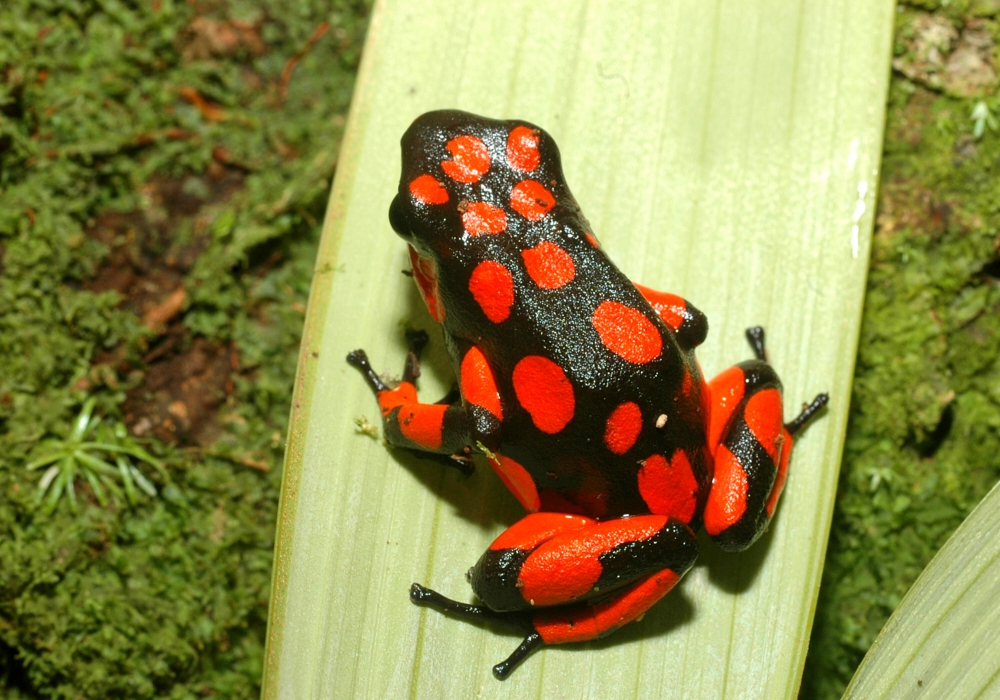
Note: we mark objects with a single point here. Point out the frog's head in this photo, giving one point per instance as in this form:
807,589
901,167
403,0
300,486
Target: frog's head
471,187
465,177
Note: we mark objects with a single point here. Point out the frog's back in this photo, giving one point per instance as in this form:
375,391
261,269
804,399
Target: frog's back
592,382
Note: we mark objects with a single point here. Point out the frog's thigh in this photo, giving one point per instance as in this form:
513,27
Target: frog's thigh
751,447
614,569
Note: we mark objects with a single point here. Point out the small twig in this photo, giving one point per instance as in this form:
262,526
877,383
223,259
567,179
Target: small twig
257,464
157,317
211,112
363,427
286,73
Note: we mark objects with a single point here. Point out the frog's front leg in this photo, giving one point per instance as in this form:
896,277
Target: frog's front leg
449,427
751,446
567,578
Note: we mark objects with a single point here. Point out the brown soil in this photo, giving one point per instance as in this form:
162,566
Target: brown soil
175,391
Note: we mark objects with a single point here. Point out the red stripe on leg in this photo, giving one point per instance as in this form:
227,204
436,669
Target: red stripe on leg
567,567
727,501
518,481
779,481
763,415
531,530
727,389
423,424
402,394
479,387
593,621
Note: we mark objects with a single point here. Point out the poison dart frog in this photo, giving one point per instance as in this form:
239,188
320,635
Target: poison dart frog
580,387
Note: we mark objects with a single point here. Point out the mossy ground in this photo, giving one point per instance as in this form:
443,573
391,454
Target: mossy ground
924,431
163,169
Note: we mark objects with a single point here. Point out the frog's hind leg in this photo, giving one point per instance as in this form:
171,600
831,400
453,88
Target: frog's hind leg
751,447
439,428
564,578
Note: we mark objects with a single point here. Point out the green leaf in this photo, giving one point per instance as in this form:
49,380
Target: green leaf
942,641
142,481
50,474
131,450
725,151
95,463
83,420
63,478
45,460
95,484
126,476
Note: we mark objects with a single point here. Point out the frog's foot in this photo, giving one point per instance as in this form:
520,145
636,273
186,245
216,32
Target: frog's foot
477,613
809,411
566,578
415,342
438,428
751,446
755,336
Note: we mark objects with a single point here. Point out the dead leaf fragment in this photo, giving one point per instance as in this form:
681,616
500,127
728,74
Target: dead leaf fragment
157,317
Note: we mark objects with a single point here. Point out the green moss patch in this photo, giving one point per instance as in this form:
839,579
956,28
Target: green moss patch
163,169
924,430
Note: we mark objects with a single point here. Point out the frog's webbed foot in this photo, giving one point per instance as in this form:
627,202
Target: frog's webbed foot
795,426
359,358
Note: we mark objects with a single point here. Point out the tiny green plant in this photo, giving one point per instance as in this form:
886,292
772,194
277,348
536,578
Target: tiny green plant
983,117
100,453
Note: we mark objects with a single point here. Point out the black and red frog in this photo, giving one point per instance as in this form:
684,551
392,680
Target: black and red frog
580,387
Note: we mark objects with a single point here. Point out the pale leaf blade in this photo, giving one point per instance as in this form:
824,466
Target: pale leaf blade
943,640
726,151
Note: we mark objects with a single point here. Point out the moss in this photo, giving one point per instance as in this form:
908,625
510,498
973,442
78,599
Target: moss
147,148
924,426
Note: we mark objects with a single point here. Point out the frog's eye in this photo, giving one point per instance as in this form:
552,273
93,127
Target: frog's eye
397,218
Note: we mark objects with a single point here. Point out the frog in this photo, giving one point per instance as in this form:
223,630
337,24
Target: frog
579,387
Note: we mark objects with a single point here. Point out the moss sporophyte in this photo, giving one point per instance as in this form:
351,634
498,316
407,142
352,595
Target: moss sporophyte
100,453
